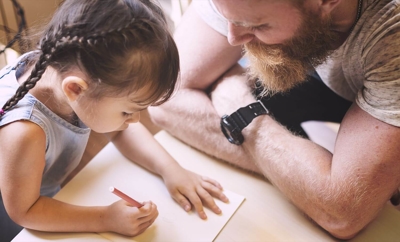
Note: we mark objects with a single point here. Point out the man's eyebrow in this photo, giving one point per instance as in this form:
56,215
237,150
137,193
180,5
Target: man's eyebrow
238,23
248,25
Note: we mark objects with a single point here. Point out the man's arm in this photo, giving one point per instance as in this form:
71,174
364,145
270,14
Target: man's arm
205,55
342,192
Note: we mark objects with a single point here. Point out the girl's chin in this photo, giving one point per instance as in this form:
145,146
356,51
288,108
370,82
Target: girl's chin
123,127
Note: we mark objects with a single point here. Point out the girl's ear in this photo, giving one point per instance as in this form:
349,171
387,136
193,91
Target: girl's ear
73,87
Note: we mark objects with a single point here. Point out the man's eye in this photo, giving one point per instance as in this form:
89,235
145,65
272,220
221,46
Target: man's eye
261,27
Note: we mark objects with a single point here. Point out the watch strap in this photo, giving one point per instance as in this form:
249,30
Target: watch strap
243,116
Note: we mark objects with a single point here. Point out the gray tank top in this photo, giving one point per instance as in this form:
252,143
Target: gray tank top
65,143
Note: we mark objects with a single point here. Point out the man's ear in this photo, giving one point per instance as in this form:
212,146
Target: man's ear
73,87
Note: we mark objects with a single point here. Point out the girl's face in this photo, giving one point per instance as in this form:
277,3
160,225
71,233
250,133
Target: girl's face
109,114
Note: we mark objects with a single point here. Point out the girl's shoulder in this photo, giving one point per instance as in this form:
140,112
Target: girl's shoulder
23,131
22,137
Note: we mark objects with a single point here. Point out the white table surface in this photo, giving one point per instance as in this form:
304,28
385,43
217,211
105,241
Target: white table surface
265,215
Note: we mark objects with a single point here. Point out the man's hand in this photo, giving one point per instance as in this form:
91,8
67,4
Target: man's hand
231,92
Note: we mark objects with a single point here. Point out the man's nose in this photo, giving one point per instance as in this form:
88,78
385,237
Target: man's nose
239,35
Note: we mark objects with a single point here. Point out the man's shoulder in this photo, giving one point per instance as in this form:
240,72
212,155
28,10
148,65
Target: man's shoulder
208,12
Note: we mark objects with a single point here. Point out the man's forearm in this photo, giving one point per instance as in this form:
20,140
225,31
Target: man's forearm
332,194
190,116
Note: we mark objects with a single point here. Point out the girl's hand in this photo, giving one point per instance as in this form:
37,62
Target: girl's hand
124,219
188,188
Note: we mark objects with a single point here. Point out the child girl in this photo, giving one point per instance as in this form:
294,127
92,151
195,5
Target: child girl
98,64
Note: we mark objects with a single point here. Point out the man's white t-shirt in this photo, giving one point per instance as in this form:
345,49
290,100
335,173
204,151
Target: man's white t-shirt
365,68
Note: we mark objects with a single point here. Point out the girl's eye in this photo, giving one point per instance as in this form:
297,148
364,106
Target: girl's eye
126,114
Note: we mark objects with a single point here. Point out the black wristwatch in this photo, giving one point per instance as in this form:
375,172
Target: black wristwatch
232,125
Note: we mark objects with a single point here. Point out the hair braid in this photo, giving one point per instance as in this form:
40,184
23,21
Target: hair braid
91,40
36,74
71,37
96,38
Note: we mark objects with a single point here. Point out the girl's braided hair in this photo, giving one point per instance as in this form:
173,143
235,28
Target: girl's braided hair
121,45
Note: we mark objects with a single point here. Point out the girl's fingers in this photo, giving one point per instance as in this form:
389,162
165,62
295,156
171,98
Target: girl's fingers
214,191
212,181
183,201
146,209
196,201
208,200
142,227
144,222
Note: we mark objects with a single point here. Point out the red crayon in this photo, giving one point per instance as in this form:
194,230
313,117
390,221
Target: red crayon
125,197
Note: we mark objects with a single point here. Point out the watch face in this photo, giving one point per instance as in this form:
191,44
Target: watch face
231,130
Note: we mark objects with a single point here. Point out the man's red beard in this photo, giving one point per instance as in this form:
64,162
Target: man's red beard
281,67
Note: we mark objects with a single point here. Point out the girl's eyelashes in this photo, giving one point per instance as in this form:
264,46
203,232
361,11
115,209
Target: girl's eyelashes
127,114
133,111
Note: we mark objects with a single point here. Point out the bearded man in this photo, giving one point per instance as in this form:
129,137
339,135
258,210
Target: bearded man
327,60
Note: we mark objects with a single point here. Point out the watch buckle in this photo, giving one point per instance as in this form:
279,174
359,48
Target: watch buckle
262,105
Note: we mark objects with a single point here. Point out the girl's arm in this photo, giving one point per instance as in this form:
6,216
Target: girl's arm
138,144
21,168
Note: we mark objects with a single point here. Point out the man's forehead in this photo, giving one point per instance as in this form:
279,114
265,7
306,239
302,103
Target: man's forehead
246,13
